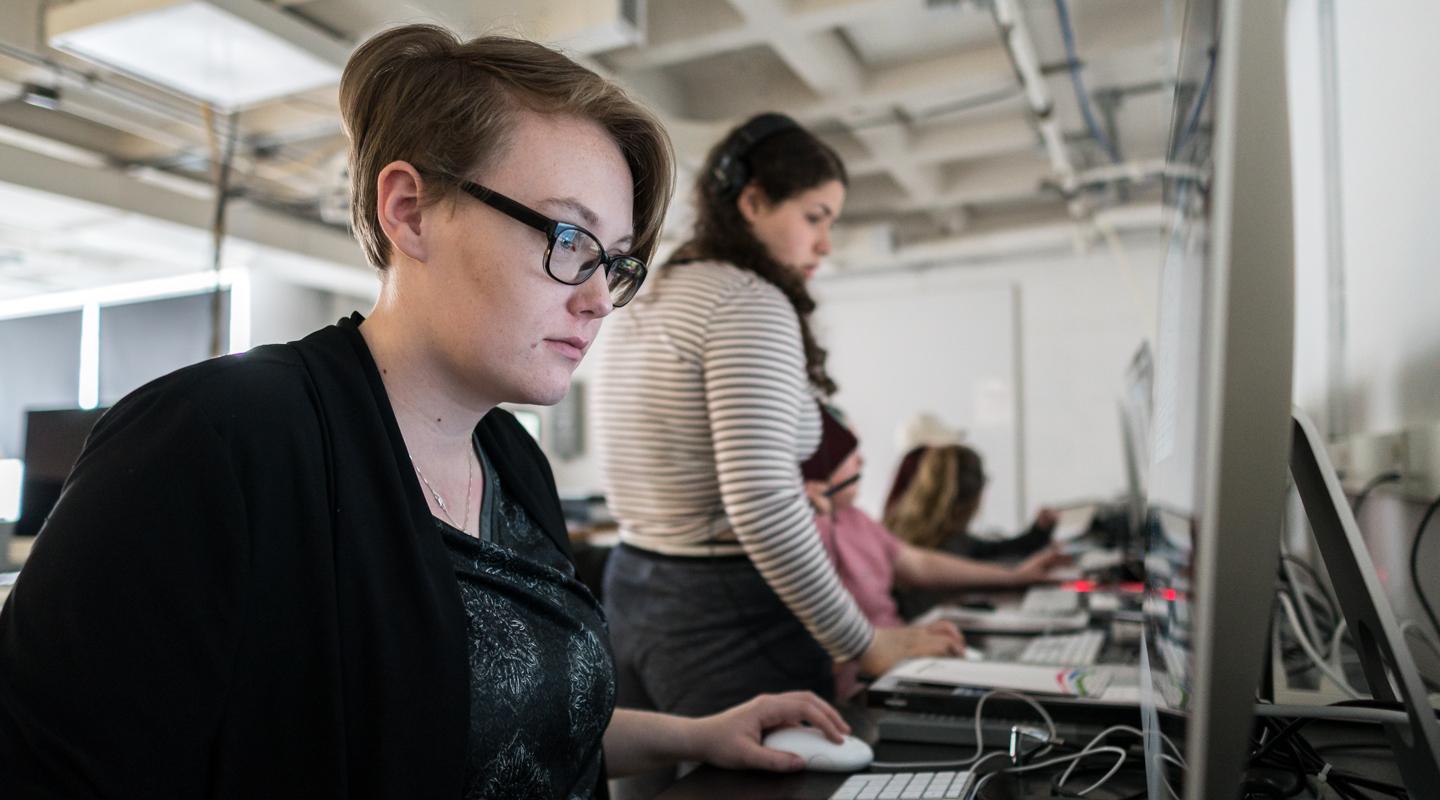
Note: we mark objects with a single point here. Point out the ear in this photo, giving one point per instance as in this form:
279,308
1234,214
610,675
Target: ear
398,191
752,202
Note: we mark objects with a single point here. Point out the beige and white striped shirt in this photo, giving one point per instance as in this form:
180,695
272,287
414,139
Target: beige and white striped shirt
703,413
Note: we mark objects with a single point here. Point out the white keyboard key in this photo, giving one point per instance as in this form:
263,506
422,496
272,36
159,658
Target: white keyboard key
1044,601
915,790
904,786
896,785
938,785
958,786
1068,649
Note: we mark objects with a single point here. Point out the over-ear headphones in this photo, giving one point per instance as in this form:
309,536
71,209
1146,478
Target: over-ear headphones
730,173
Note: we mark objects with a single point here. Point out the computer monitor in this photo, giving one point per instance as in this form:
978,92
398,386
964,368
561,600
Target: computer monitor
1222,372
1390,670
53,440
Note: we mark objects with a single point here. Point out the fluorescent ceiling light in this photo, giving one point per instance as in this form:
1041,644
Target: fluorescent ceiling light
230,53
117,294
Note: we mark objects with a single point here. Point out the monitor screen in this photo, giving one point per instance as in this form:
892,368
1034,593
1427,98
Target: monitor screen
53,440
1174,461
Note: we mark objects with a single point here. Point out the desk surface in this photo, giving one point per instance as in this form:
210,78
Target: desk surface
713,783
1358,748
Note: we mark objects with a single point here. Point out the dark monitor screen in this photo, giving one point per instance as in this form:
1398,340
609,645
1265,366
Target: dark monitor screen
53,440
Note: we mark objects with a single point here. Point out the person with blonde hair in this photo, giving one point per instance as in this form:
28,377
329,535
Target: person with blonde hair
933,501
334,567
872,562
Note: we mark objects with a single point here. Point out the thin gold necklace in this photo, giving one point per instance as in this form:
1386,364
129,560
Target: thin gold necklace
440,501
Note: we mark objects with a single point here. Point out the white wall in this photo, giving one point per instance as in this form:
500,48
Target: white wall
1390,227
280,311
579,475
902,345
1081,319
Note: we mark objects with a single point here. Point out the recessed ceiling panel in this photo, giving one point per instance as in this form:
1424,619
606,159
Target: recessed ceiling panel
934,30
739,83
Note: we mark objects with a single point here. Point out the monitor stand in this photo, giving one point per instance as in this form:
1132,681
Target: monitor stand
1389,668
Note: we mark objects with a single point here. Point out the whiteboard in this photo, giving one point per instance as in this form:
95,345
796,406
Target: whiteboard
907,346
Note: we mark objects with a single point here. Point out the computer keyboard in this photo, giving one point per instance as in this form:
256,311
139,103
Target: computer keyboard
905,786
1064,649
1048,602
918,726
894,725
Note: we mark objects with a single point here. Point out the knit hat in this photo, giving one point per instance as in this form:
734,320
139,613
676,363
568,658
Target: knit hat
836,445
926,430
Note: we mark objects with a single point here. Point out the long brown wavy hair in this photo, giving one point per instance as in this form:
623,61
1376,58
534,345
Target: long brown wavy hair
782,165
941,497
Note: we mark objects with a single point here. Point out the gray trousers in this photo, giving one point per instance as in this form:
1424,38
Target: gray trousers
693,636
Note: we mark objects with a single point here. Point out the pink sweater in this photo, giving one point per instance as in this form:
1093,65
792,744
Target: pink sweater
864,554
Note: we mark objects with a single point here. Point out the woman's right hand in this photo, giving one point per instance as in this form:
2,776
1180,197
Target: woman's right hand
893,645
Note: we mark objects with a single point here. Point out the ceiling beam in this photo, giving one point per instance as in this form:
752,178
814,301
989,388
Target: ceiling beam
1059,235
114,188
960,141
676,39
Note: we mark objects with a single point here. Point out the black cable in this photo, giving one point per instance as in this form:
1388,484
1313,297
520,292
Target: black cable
1280,738
1415,564
1347,783
1073,62
1197,106
1371,485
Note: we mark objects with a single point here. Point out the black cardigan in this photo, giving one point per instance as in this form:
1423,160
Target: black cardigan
242,594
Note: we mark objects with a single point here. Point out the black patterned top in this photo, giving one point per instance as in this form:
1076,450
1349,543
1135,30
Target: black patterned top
542,678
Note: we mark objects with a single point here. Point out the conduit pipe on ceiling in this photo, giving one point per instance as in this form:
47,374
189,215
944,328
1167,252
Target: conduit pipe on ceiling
1015,35
1009,243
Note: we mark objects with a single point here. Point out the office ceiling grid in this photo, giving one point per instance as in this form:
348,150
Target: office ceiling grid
922,98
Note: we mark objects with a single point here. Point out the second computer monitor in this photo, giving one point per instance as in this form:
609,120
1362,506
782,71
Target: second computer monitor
53,440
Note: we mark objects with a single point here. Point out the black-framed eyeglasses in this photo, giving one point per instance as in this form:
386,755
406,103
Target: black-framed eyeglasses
572,254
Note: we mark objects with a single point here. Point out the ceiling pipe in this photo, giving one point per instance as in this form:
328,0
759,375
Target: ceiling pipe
1007,243
1015,35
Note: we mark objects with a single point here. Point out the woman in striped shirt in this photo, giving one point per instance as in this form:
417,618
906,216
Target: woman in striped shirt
706,405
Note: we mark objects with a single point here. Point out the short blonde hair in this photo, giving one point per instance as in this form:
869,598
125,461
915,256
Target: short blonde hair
420,94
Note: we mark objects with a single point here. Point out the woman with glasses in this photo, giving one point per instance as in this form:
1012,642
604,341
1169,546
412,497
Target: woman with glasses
333,567
706,407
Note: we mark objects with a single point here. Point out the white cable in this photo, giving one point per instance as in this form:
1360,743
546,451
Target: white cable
1419,633
1309,649
1334,655
1065,776
1166,778
980,784
1300,591
1178,759
979,735
1341,713
1119,762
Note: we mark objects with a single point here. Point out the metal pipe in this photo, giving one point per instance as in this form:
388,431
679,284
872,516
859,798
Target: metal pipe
1015,35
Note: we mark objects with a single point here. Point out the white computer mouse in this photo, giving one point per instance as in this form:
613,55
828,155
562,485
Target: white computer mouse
973,654
820,754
